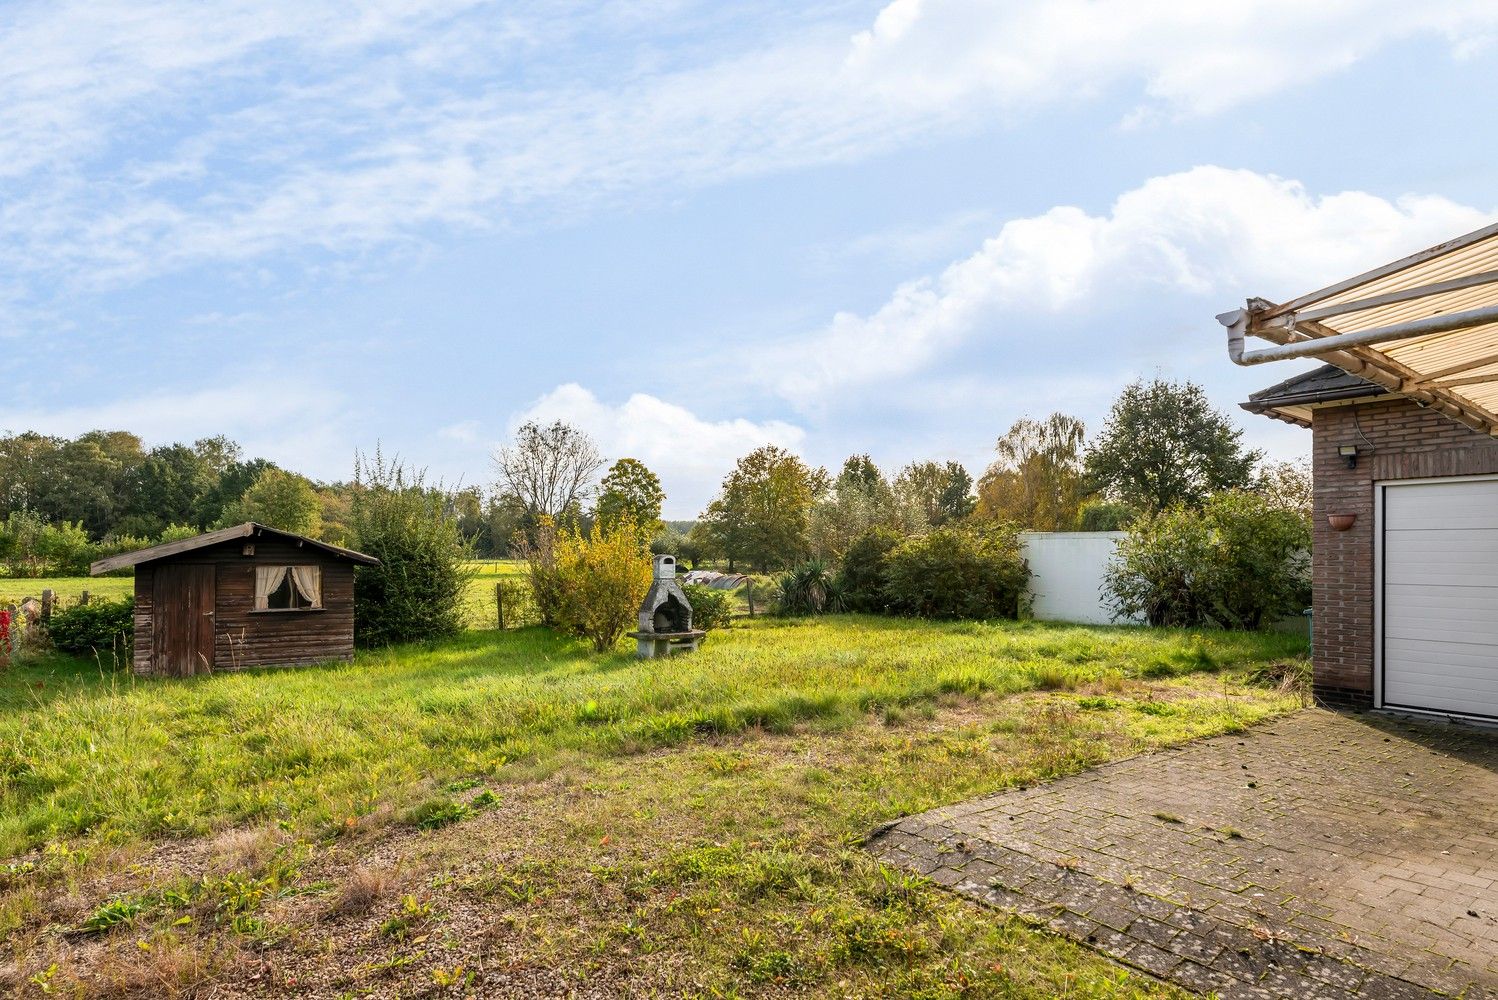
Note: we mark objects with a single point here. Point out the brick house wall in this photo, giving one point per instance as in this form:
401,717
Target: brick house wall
1408,442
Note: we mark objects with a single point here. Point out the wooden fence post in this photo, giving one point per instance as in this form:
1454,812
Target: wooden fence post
48,597
499,603
749,592
83,598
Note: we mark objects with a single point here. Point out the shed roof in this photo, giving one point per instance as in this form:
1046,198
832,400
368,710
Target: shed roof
1292,399
1425,326
247,530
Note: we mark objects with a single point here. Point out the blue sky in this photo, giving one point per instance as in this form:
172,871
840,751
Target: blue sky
693,228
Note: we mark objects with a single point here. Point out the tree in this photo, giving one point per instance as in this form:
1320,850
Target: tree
417,591
549,470
1287,485
761,513
279,499
168,488
860,499
1163,444
1037,480
631,492
941,492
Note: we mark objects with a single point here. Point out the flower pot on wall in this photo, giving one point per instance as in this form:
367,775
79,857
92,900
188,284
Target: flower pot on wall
1341,522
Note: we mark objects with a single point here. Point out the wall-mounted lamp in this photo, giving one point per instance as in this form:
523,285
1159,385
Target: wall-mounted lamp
1341,522
1349,453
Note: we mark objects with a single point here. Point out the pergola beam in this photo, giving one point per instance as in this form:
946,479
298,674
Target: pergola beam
1401,295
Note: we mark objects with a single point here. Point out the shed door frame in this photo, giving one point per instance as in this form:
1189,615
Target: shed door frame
1379,526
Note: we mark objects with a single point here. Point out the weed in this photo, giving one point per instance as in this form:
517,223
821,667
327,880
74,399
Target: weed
412,914
121,911
437,813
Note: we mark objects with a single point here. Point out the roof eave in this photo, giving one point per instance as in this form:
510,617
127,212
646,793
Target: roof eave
248,529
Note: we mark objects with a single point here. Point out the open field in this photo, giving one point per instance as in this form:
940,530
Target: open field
515,809
13,590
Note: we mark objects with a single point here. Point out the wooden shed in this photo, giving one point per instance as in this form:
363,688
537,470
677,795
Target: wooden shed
246,596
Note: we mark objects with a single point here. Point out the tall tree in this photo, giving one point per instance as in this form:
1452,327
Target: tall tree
168,488
1163,444
860,499
281,500
550,469
1037,479
942,492
760,515
631,492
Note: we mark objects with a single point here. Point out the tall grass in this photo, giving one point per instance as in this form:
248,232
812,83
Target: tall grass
85,753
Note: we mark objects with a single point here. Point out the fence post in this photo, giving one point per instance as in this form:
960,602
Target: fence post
749,593
499,603
47,598
83,598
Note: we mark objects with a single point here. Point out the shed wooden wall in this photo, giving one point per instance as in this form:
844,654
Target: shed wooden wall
244,637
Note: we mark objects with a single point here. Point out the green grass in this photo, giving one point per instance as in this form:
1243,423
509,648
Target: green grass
13,590
685,828
85,753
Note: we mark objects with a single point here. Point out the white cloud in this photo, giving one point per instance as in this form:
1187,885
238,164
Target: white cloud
1208,230
1185,58
689,454
145,137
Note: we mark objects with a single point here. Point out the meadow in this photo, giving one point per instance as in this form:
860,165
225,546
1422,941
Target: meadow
687,827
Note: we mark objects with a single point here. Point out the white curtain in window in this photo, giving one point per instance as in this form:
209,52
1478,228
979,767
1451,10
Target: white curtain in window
308,580
267,579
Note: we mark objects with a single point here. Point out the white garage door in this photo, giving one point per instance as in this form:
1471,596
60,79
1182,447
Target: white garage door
1440,596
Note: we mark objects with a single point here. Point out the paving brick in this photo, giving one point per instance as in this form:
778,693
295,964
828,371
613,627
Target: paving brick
1346,883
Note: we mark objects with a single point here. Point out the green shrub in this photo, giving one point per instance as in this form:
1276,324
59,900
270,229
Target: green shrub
601,579
808,589
1240,562
975,572
711,609
417,591
96,627
176,533
864,576
1105,515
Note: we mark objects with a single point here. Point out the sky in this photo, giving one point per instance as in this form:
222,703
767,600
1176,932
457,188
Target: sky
693,228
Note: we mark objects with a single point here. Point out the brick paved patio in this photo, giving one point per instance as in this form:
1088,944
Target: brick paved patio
1321,855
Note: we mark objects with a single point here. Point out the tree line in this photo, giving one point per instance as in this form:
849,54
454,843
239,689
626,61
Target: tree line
1161,446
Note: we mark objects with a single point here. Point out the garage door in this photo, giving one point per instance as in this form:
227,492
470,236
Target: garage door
1440,596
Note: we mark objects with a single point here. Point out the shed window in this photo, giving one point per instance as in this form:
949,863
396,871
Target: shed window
288,588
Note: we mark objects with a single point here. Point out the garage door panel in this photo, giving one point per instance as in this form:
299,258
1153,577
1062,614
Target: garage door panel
1440,597
1440,557
1464,659
1448,506
1441,613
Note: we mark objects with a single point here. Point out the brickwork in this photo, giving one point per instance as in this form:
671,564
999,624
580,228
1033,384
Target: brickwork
1322,855
1397,439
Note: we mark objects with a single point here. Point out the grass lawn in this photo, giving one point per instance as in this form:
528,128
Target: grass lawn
509,805
67,588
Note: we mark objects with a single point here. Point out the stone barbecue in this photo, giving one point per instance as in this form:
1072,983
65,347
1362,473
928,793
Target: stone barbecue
665,615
